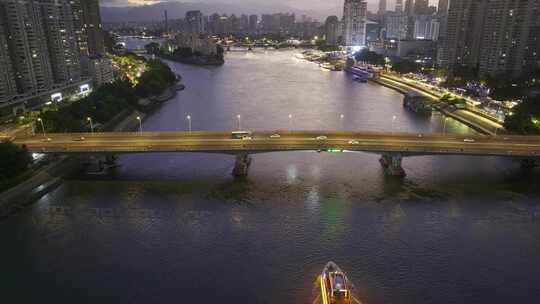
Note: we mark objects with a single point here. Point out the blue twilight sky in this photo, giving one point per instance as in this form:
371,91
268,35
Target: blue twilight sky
301,4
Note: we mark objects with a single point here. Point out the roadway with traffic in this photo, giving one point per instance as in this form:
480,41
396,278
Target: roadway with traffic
273,141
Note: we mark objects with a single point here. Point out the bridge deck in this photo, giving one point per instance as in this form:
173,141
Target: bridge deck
222,142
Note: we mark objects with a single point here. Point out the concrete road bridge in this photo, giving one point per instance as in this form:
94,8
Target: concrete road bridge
392,147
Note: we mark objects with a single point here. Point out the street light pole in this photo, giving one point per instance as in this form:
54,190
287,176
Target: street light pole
42,126
341,117
140,124
444,128
189,123
239,117
91,124
393,121
290,122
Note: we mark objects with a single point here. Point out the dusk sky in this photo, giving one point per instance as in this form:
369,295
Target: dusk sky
303,4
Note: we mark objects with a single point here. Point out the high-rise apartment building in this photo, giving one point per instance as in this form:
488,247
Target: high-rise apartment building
396,25
80,31
399,6
58,26
506,36
45,45
382,7
426,27
27,45
442,8
92,26
409,7
493,37
354,22
194,22
464,34
8,87
332,30
253,23
421,7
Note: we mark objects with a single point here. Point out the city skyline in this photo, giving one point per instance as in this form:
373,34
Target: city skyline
335,5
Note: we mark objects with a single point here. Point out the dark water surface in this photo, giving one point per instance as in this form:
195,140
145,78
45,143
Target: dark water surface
177,228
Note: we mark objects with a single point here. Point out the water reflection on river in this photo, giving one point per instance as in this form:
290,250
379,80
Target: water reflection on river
177,228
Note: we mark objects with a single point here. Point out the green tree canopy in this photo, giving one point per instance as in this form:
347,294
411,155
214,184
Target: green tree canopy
526,117
406,66
13,160
370,57
157,77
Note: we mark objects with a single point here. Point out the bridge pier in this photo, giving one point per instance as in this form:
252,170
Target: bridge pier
241,165
99,164
392,164
529,164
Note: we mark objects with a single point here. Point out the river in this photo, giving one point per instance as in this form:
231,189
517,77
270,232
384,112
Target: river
177,228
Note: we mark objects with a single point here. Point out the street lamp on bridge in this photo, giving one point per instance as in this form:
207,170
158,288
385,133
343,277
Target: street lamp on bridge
140,124
393,122
341,117
42,126
89,119
445,121
189,122
239,118
290,122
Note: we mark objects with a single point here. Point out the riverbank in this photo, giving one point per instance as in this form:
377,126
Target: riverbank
478,123
200,61
38,182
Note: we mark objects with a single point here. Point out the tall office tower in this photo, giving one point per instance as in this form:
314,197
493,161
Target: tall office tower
399,6
27,46
421,7
409,7
443,7
463,35
354,22
253,21
382,7
59,31
507,29
194,22
92,26
332,30
8,87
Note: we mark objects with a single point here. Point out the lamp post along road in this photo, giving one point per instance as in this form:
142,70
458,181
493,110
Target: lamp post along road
91,124
42,126
189,123
239,118
140,124
290,122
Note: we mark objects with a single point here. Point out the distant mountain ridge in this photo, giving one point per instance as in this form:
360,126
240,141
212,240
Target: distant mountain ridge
177,10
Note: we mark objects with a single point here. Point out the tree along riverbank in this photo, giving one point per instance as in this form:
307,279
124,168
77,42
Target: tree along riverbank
113,107
187,56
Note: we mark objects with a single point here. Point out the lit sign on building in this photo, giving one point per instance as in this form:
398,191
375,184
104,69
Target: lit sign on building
56,97
85,88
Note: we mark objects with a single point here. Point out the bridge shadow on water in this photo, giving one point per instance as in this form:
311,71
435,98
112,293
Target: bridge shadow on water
268,183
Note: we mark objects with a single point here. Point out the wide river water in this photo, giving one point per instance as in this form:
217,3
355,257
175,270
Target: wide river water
177,228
